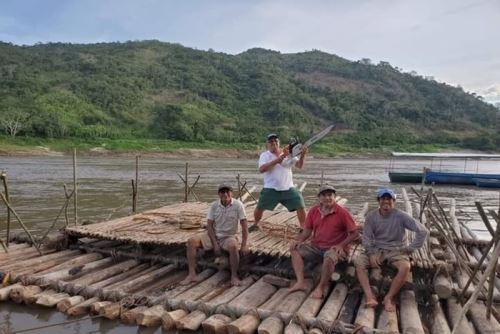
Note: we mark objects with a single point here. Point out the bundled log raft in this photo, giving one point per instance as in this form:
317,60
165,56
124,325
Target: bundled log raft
130,269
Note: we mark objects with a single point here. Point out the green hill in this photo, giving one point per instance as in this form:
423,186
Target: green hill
159,90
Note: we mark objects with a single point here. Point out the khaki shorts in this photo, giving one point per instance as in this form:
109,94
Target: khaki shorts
363,260
224,242
314,254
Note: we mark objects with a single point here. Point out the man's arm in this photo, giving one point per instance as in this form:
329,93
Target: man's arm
303,236
269,165
213,238
351,236
299,164
421,233
368,238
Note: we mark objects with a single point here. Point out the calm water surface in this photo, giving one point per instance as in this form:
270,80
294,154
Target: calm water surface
36,192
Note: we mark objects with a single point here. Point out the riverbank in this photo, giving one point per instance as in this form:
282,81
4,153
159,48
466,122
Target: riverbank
26,146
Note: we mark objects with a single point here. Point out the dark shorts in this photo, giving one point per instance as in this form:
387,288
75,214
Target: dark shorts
310,253
291,199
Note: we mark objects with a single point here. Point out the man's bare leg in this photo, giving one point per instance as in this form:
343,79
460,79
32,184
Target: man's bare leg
234,261
326,272
364,281
191,245
399,280
257,215
301,216
298,268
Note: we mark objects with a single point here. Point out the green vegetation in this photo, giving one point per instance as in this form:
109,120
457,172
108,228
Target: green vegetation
151,95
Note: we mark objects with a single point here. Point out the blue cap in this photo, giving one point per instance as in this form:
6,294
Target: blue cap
386,191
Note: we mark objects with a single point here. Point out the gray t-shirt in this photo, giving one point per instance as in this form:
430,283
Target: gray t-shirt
388,233
226,218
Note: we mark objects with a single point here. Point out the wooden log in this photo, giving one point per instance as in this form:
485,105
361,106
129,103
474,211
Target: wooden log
388,322
50,299
111,311
252,297
71,272
291,303
477,314
168,319
33,262
311,306
216,324
439,324
76,261
442,286
95,307
192,321
410,319
93,289
293,328
82,308
347,312
68,303
333,304
21,293
276,281
151,317
276,299
5,291
199,290
129,317
230,293
105,273
246,324
271,325
365,316
181,288
454,309
18,274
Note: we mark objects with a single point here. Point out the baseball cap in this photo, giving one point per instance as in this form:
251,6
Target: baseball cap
224,186
386,191
271,136
326,187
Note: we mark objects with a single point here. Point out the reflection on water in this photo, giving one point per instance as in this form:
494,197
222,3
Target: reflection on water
36,191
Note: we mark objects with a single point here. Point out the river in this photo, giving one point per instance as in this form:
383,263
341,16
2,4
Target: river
104,192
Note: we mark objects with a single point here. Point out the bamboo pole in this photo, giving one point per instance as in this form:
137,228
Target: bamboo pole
472,299
186,187
3,176
21,222
75,189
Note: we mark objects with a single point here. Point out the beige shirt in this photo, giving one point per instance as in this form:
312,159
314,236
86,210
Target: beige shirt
226,218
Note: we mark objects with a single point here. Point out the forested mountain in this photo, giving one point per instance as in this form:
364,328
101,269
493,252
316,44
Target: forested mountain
152,89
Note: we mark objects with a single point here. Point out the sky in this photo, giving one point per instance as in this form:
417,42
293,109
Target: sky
454,41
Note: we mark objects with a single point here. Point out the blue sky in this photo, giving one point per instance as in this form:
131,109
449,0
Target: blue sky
455,41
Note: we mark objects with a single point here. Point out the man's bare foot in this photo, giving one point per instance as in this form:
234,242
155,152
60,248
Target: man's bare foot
235,281
190,279
389,305
317,293
371,303
299,286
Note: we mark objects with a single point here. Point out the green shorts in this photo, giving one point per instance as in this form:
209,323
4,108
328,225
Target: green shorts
291,199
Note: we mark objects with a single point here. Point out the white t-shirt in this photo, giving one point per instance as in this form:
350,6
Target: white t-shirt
279,177
226,218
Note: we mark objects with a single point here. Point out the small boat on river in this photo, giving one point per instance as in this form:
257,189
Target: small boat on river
487,183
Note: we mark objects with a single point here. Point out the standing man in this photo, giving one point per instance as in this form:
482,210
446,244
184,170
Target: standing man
384,239
224,217
333,229
276,165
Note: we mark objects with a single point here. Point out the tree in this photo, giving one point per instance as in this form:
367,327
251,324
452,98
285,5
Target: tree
13,121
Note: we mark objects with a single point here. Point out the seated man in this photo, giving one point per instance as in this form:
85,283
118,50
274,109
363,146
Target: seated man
384,239
333,229
224,217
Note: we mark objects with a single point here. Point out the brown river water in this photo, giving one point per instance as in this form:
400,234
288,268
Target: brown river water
104,192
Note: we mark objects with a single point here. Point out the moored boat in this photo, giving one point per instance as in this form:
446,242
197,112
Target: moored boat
405,177
487,183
